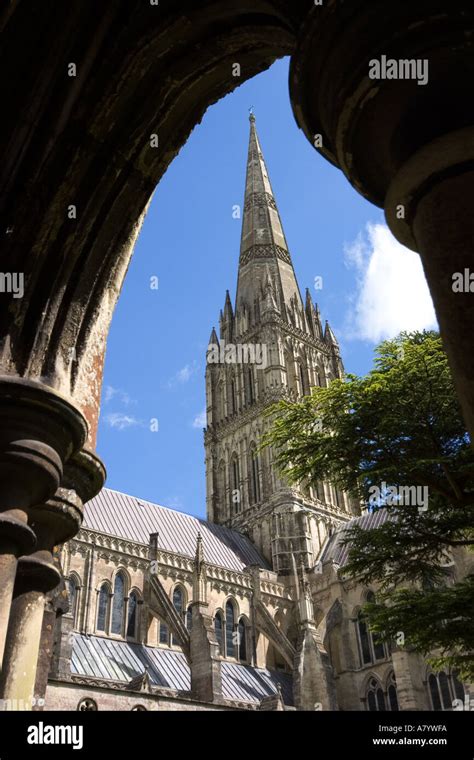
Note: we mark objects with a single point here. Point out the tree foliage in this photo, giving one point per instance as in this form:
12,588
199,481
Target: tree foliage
398,427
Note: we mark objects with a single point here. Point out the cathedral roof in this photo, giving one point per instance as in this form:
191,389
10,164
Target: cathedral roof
338,553
134,519
124,661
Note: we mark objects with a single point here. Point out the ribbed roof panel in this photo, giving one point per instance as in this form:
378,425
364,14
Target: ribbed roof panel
334,549
130,518
114,660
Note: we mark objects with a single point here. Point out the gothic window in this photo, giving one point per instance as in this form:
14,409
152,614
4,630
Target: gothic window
221,483
290,372
230,629
189,618
254,477
434,692
242,631
392,693
220,402
444,689
364,639
103,607
235,496
250,387
233,396
164,634
118,605
375,697
179,605
339,498
303,379
132,615
218,627
73,586
372,648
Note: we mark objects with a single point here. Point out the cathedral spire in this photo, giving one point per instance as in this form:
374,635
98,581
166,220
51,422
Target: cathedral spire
263,246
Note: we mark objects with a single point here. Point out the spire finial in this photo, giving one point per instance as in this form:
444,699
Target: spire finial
251,115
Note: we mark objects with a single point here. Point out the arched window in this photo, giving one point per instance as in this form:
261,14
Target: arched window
364,639
372,648
250,386
434,692
375,696
232,396
254,477
242,631
392,693
290,372
103,607
178,604
73,586
220,402
178,600
118,605
218,626
132,615
230,629
303,380
221,484
444,689
189,618
164,634
235,495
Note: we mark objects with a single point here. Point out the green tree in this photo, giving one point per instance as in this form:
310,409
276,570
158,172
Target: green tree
398,427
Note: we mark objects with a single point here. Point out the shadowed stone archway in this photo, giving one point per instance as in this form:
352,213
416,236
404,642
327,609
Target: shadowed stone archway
99,98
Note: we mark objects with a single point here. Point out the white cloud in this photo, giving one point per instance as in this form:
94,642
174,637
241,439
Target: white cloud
122,421
183,375
122,396
391,294
200,420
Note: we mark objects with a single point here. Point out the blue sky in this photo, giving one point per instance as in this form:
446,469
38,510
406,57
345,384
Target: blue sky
155,361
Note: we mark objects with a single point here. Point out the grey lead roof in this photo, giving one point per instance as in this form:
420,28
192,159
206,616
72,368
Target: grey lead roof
134,519
114,660
334,549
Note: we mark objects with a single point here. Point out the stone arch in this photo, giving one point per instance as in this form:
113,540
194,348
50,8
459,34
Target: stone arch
144,72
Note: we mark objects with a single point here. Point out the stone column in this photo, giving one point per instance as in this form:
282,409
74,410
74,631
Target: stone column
39,431
56,605
54,522
397,117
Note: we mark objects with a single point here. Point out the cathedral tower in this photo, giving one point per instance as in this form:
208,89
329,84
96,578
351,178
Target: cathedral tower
270,346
